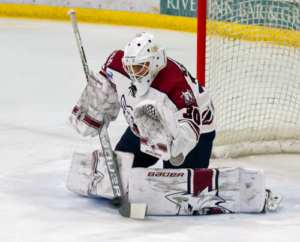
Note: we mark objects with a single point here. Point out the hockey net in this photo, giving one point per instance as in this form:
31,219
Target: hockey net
252,71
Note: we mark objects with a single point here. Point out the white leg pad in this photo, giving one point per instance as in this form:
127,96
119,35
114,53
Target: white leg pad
198,191
89,177
252,190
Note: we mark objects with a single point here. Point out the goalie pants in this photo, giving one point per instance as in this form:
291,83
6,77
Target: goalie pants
197,158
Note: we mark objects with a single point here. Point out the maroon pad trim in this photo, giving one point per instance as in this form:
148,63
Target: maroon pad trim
75,110
202,179
88,120
91,122
160,146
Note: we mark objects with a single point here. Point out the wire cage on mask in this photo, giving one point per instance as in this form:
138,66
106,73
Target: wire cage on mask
138,71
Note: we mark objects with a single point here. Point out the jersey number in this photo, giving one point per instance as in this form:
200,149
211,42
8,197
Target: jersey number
193,113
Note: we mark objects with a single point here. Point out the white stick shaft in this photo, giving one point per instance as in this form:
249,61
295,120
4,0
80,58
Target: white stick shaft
71,13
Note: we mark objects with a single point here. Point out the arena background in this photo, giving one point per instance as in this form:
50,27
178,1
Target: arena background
179,15
163,14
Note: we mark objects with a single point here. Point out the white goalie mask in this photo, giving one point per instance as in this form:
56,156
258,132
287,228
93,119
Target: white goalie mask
143,59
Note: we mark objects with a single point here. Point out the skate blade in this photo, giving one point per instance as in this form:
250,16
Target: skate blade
278,198
138,210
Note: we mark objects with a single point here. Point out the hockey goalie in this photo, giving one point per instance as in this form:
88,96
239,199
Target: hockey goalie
171,117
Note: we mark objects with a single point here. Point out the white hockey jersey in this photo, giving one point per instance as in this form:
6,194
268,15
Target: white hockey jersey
174,86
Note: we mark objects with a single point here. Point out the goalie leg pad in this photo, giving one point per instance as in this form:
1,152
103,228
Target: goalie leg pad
88,174
197,191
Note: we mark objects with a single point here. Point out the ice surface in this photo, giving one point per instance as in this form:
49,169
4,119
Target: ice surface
41,79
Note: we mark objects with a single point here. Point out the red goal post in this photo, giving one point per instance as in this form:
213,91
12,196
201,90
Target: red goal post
201,41
248,57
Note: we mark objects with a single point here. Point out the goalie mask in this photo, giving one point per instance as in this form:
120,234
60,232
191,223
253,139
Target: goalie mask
143,59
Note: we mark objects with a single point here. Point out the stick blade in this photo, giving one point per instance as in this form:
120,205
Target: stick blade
132,210
138,210
124,209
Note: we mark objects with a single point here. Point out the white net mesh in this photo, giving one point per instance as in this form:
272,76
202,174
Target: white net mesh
253,69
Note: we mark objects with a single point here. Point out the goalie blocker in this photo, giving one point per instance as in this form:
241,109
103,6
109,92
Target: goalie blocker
175,192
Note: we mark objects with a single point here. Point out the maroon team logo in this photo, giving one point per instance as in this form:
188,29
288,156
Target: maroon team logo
206,202
188,97
204,199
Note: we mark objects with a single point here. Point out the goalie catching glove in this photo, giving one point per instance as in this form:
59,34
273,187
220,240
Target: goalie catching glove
159,127
98,98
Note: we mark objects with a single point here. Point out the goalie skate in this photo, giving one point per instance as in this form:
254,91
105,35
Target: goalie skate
272,201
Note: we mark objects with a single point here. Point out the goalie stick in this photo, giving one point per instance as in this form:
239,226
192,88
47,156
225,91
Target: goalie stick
126,209
71,13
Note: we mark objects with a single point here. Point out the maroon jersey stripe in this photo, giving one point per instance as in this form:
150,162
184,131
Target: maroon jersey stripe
114,61
192,127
